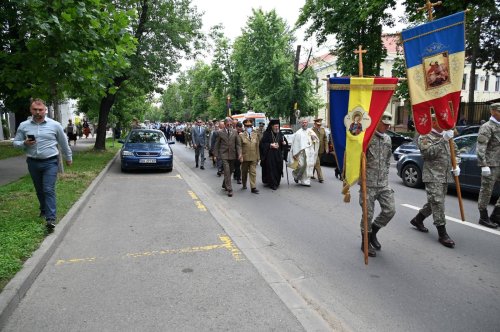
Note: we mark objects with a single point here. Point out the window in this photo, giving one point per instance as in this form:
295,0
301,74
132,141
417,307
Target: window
497,83
464,82
486,82
476,82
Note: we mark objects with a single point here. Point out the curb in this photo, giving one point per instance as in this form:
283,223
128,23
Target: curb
17,288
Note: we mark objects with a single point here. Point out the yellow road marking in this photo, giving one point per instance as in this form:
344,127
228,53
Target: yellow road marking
76,260
200,206
227,244
197,201
176,251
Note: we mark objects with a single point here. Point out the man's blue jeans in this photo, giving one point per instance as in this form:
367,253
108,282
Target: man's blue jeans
44,176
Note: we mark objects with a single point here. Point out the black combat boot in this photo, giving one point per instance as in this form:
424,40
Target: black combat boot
373,237
484,220
371,251
418,222
495,215
444,239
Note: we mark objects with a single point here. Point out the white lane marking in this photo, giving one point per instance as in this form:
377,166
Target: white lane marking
458,221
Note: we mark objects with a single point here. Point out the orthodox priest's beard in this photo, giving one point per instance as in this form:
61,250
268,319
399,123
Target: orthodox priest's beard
276,131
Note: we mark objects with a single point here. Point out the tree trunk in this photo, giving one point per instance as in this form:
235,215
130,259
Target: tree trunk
293,118
104,109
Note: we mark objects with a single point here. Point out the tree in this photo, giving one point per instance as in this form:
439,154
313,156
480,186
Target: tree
264,57
57,48
352,23
164,31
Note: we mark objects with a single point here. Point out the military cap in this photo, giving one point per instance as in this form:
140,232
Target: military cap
247,123
495,106
318,120
386,118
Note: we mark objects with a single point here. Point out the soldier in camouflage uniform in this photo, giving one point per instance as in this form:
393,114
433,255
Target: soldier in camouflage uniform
378,161
435,149
488,158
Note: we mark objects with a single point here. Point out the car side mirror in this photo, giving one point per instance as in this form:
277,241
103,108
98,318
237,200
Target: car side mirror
173,142
121,141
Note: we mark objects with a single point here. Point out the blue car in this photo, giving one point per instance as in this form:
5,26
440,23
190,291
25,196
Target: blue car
410,167
146,149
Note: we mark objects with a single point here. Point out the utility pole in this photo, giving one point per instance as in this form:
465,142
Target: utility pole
293,118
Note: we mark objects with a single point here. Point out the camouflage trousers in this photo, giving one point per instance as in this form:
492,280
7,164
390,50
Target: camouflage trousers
385,197
436,194
487,185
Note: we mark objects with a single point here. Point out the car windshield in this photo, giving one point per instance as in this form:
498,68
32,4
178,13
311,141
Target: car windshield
287,131
146,137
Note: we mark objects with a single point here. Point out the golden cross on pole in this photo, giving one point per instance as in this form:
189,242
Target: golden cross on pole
360,52
428,7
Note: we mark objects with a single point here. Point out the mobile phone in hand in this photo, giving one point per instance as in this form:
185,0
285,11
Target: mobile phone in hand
31,137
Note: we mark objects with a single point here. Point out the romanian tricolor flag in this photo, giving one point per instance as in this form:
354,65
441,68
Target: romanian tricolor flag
356,106
434,54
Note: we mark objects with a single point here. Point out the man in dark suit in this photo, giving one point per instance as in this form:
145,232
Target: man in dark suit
228,148
198,140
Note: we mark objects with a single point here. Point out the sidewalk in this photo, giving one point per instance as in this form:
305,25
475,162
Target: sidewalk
12,169
144,252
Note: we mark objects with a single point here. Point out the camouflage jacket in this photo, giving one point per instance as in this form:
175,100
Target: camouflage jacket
378,161
437,161
488,144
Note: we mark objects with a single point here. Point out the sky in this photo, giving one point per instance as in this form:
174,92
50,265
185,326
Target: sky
233,14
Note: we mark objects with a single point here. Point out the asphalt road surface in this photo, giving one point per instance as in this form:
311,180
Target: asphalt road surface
414,283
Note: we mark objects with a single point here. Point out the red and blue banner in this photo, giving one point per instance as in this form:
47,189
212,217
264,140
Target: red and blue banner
434,54
356,106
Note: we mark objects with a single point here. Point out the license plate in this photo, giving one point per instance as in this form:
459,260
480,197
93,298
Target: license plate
147,161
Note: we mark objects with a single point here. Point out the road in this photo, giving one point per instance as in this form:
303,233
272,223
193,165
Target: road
414,283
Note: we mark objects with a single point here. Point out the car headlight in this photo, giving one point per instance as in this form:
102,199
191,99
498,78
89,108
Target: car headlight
127,153
166,153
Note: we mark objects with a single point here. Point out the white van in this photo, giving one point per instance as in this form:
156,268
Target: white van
257,118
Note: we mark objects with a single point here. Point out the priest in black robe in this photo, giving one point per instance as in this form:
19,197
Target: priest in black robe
273,149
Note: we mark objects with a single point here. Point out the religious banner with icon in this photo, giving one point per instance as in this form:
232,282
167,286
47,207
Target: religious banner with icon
434,55
356,106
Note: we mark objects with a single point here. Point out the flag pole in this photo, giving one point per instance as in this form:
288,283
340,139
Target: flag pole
457,181
360,53
365,208
429,7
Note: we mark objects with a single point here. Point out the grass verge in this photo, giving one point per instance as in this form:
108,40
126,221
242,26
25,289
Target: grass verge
21,230
7,150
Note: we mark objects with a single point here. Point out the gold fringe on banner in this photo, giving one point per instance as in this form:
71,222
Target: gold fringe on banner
362,86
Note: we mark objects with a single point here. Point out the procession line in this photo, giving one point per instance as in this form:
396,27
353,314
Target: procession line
458,221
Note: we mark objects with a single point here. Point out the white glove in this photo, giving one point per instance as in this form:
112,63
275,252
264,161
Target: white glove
447,135
456,171
485,171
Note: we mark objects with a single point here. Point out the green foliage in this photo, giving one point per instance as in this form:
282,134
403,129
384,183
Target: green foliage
61,48
7,150
353,23
21,230
264,56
